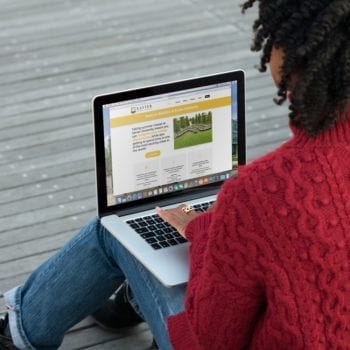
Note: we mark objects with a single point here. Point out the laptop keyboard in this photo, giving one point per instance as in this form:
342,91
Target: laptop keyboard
158,233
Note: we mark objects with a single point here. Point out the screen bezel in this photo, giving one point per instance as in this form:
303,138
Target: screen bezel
166,199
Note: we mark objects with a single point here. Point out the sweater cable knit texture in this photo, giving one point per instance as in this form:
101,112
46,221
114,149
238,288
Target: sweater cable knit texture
270,264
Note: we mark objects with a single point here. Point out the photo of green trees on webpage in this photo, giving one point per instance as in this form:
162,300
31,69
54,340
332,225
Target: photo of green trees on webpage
192,131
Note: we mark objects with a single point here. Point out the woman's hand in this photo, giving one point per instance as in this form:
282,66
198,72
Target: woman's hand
178,217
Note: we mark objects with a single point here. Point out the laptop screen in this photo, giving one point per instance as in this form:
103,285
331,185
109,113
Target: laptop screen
159,144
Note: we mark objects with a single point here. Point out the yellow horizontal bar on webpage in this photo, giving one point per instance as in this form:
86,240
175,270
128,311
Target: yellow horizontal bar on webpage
152,154
170,112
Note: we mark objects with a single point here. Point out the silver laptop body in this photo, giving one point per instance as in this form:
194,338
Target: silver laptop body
162,146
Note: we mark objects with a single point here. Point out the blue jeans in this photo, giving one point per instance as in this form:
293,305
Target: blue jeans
76,281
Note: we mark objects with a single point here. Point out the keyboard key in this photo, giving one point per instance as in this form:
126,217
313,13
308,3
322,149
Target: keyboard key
172,242
143,223
141,230
156,246
151,240
164,244
168,236
159,232
161,238
148,235
181,240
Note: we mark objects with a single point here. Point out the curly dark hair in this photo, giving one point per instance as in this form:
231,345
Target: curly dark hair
315,38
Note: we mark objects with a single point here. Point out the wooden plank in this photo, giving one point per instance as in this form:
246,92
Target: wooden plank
119,38
35,175
37,127
32,248
48,161
33,152
66,17
51,213
47,137
69,33
46,228
22,266
138,337
44,188
44,201
136,71
115,58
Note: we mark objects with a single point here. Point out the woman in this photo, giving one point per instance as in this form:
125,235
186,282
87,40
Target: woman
270,263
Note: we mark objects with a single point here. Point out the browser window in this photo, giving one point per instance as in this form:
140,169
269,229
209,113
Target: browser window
170,142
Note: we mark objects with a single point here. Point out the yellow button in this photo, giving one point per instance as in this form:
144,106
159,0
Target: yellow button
152,154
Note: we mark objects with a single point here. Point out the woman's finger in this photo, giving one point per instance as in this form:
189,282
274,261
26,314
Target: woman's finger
177,217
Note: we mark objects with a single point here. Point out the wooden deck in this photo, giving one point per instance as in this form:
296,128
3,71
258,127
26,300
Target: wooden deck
55,55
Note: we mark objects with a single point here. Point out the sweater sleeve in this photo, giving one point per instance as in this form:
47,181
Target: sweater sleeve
224,296
197,234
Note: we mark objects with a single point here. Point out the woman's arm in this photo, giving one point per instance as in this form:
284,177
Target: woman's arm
224,296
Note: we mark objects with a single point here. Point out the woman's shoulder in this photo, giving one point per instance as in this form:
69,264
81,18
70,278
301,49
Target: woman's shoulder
271,173
265,163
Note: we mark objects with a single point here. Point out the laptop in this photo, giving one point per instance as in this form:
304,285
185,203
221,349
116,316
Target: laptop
165,145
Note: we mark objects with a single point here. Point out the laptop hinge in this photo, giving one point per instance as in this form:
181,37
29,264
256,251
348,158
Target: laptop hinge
163,203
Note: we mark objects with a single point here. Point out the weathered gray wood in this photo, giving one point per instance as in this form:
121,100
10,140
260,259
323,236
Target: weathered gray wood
42,215
36,175
139,337
139,74
47,161
45,229
13,195
54,57
47,137
41,126
45,201
24,265
32,248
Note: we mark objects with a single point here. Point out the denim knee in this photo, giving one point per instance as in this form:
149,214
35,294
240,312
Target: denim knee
70,285
105,240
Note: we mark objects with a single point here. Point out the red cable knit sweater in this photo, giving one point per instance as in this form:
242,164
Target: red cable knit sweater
270,265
